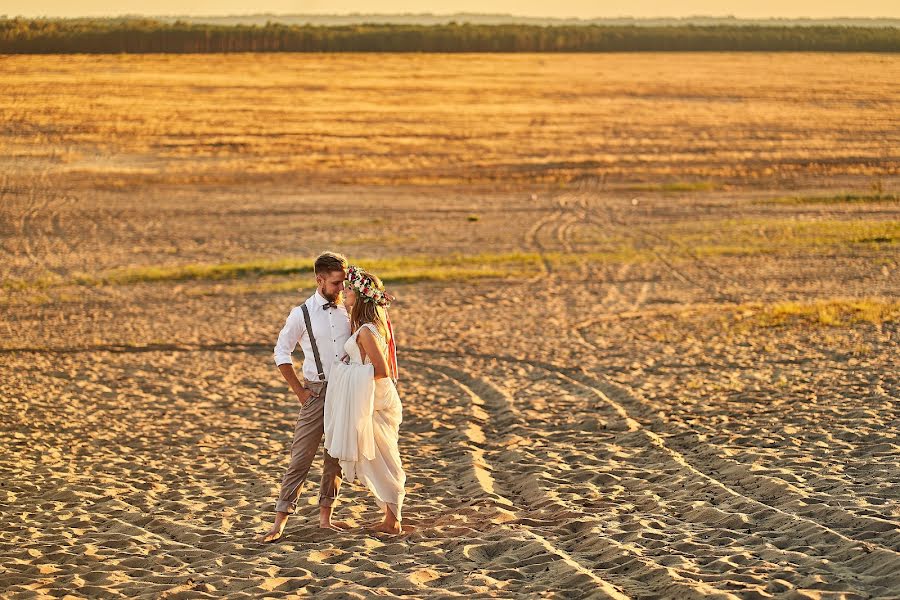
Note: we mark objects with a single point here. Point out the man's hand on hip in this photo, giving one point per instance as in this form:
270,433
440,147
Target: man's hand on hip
304,396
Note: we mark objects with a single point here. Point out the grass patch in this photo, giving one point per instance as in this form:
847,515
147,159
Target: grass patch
772,236
263,275
26,299
677,186
219,271
830,313
458,268
389,269
838,199
13,284
828,233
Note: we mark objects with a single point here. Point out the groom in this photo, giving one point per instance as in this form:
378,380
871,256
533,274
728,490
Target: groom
321,326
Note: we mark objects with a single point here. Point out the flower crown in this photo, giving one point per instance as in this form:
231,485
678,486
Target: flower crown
366,287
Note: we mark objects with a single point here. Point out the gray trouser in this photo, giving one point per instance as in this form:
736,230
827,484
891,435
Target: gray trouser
308,433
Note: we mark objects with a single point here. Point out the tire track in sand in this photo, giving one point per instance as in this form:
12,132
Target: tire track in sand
503,491
864,524
842,549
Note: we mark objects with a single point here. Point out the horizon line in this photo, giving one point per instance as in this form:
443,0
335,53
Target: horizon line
454,14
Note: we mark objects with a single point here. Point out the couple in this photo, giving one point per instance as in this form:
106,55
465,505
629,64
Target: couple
347,394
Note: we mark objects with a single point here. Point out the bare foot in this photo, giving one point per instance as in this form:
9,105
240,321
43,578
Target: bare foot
336,525
277,530
383,527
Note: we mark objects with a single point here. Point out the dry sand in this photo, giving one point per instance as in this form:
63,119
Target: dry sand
593,430
624,418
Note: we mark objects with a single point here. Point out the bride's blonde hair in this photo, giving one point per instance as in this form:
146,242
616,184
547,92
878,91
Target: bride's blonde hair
367,311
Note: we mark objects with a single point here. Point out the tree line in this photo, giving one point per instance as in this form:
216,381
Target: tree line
99,36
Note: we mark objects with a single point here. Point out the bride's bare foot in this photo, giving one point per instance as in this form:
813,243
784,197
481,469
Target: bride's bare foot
325,521
389,528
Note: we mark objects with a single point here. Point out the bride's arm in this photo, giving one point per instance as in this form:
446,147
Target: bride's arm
369,346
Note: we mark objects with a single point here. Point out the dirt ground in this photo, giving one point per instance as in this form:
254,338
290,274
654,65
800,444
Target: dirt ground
677,386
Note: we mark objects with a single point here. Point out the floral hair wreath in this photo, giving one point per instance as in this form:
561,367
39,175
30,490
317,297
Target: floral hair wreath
364,286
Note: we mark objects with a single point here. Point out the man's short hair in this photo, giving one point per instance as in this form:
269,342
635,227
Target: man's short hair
329,262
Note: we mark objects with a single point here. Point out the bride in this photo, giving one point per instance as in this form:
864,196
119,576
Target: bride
362,407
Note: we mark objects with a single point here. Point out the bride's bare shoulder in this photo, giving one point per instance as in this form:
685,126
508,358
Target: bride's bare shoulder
366,334
371,330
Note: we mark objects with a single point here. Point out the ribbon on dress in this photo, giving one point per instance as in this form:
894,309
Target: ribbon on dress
392,350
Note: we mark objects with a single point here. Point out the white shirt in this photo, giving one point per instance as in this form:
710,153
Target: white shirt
331,327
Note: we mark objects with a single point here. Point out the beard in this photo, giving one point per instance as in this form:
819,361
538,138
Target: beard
337,298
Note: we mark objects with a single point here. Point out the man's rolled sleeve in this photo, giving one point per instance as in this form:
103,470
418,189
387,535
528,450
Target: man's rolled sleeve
289,337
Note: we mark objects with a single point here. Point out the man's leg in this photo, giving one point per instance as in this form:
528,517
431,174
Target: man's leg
308,432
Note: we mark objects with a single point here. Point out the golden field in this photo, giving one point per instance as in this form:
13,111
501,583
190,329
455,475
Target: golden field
421,118
647,320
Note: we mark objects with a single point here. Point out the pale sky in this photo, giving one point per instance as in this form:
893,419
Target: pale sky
530,8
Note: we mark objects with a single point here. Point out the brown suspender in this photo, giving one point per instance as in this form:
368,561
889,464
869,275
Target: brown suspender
312,340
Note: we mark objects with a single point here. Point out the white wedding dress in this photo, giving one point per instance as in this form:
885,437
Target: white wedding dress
362,425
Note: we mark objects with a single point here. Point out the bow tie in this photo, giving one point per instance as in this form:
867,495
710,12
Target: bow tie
328,305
